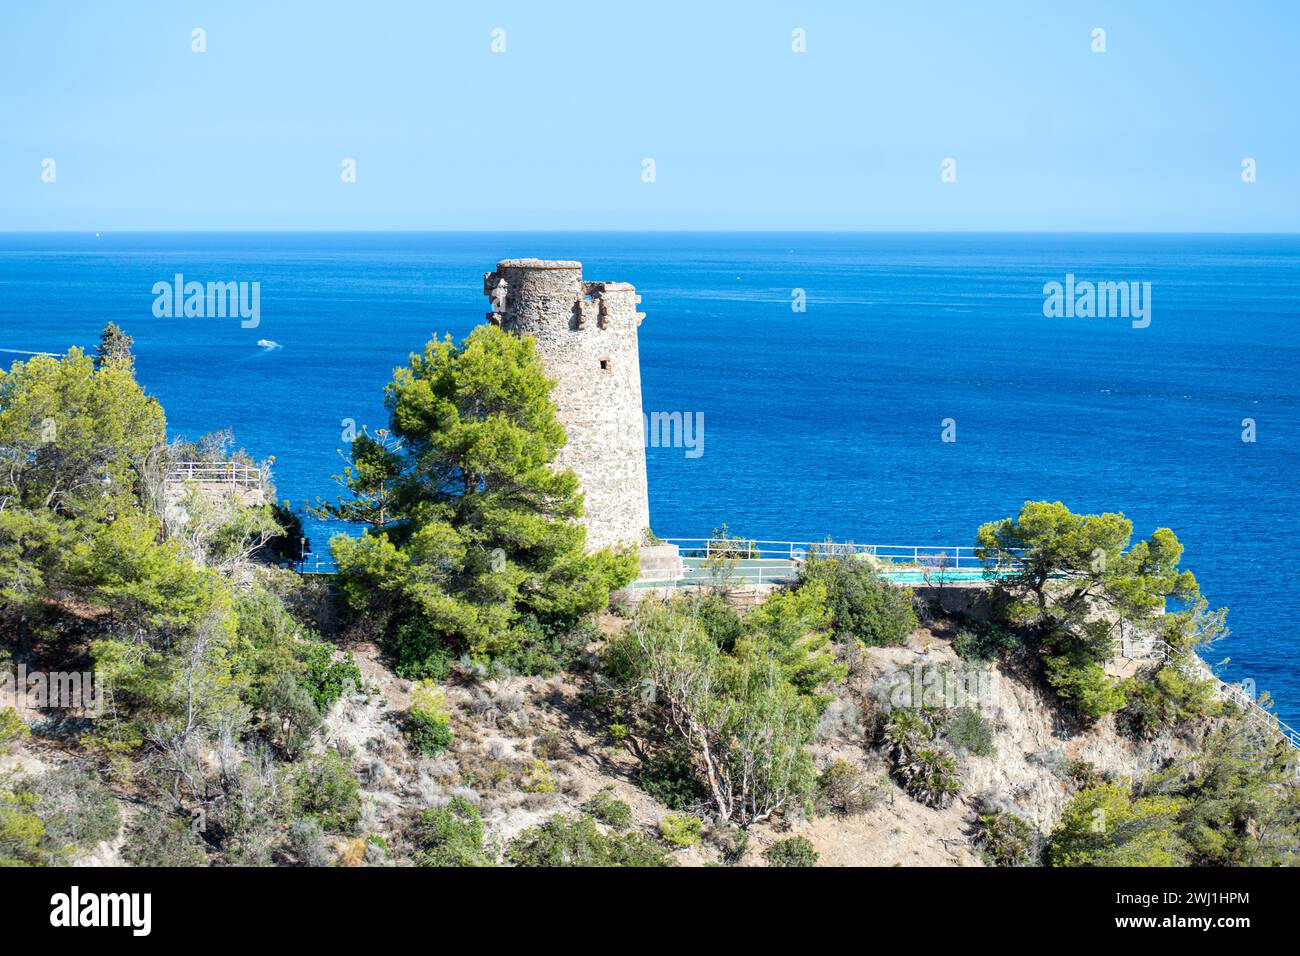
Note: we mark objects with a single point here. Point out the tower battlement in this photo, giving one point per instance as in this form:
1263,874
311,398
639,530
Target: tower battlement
586,334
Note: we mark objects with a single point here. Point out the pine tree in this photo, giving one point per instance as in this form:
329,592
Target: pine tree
114,346
478,547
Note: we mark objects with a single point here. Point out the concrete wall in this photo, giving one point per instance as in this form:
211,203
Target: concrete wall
586,336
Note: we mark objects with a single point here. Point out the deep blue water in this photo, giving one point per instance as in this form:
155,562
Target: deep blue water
822,423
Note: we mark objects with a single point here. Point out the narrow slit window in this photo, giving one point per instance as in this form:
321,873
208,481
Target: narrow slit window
604,365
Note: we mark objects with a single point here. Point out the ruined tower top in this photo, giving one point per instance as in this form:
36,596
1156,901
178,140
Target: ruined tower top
586,335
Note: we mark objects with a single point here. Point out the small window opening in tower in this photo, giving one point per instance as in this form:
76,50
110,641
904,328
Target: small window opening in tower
604,365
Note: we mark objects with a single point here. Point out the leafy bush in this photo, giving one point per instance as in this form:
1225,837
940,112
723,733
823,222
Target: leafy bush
720,620
577,841
13,729
419,652
428,723
669,776
1004,839
792,851
970,731
326,790
1238,798
843,789
157,838
1168,698
745,717
1084,685
326,677
77,809
450,836
863,604
546,647
612,812
291,714
985,644
538,779
681,829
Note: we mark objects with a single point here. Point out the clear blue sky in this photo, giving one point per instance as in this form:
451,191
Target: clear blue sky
746,134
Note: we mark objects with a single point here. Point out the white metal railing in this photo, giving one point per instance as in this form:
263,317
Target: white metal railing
226,472
316,564
951,557
1191,664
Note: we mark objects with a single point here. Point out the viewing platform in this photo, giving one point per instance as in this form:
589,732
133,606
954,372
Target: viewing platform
754,562
217,480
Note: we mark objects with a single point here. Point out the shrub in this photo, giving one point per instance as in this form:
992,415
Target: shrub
612,812
428,723
538,779
549,745
1004,839
1167,699
378,852
681,829
77,809
577,841
546,647
843,789
930,776
985,644
732,842
927,772
156,838
669,777
745,717
419,652
910,728
863,604
326,790
450,836
1084,685
13,729
792,851
291,714
1082,773
306,843
326,677
719,620
970,731
353,852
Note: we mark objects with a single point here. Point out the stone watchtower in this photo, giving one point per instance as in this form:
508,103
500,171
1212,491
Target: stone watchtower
586,337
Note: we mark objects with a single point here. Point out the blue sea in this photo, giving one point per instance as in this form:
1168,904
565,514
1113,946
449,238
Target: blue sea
825,422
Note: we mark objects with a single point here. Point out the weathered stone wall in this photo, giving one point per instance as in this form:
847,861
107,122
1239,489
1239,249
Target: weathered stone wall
587,339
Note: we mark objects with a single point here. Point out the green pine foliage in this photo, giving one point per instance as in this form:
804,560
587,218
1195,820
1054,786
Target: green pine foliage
473,543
